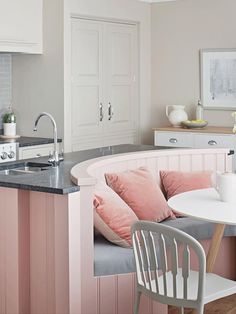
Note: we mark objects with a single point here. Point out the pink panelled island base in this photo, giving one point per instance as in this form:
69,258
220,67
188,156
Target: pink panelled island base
47,241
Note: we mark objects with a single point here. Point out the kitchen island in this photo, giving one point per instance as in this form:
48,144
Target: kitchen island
35,237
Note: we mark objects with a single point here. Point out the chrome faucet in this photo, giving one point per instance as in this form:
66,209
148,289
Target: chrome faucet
54,158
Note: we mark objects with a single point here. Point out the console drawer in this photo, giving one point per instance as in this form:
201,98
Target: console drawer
214,141
173,139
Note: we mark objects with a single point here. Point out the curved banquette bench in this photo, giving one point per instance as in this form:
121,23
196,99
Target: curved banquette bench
102,274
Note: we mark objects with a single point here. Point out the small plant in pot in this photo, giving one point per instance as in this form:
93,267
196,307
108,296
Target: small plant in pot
9,123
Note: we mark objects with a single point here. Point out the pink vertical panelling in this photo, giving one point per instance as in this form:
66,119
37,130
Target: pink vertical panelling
210,162
49,253
84,298
89,294
159,308
108,295
61,254
38,257
185,163
2,253
11,250
24,254
162,163
145,305
151,165
14,252
74,253
197,162
173,162
125,293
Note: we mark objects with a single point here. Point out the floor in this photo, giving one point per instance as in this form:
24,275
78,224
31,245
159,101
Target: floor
222,306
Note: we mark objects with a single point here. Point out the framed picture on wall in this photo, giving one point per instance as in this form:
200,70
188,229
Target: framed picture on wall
218,79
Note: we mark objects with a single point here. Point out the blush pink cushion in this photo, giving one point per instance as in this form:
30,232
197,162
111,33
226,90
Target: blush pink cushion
113,217
175,182
139,190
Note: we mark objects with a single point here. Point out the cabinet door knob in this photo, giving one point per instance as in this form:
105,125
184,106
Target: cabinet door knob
212,143
173,140
101,112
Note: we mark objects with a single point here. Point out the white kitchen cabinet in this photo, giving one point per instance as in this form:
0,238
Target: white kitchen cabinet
21,26
104,88
210,137
35,151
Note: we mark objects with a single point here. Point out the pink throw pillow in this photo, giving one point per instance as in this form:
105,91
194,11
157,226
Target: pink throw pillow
113,218
139,190
176,182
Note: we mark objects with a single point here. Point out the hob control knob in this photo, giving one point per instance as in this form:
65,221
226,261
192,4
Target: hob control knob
4,155
11,154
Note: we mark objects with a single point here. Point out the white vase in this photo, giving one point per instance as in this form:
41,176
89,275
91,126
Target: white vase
177,115
9,129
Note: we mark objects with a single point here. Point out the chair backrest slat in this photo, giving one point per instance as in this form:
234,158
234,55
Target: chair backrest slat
175,264
163,261
146,259
153,259
186,270
138,258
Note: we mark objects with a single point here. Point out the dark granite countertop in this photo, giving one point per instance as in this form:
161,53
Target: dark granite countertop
57,180
30,141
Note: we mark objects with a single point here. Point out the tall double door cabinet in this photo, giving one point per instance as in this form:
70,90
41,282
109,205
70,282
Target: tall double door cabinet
104,84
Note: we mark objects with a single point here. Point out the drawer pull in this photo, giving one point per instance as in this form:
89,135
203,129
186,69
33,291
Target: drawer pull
173,140
38,155
212,143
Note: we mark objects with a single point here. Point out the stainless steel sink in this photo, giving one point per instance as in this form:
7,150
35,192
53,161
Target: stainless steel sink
24,168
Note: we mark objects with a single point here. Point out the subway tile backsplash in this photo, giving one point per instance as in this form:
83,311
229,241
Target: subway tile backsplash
5,83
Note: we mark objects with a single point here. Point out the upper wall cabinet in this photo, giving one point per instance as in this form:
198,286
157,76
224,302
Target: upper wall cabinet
21,23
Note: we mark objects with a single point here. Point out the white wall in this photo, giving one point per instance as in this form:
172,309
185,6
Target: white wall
130,10
179,30
38,79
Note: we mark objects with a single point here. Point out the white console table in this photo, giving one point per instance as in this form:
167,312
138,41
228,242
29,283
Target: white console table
209,137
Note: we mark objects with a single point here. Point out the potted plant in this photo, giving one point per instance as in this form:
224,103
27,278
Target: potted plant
9,123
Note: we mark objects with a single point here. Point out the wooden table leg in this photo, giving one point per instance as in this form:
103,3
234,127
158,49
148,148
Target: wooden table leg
213,250
214,247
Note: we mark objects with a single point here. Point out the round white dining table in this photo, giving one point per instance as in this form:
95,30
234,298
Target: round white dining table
206,205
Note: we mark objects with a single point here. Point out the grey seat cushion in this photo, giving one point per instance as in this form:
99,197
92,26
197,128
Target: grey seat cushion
110,259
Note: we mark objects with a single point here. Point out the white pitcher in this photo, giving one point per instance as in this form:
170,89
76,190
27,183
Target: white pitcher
177,115
226,186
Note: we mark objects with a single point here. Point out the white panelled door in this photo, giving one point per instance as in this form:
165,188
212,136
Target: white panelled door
104,84
87,81
121,65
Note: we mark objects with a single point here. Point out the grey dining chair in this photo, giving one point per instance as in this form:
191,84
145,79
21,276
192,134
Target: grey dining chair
162,257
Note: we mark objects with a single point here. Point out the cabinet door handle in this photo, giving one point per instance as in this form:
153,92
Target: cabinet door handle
110,111
173,140
212,143
101,112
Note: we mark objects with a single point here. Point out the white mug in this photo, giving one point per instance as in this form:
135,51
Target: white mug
226,186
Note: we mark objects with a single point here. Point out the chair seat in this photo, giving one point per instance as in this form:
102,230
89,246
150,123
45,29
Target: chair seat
216,287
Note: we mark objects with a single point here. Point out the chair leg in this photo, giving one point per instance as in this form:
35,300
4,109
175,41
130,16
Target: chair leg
137,302
182,310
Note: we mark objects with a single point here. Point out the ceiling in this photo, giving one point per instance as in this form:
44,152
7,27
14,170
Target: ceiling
154,1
